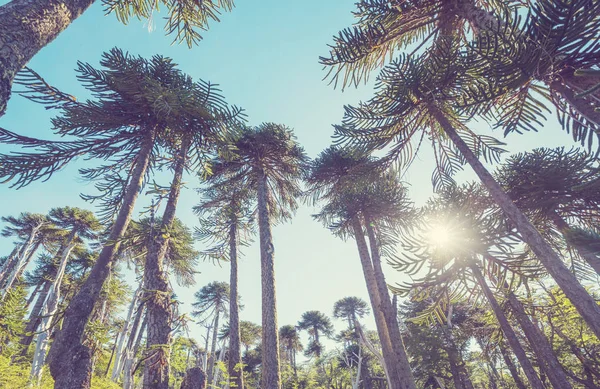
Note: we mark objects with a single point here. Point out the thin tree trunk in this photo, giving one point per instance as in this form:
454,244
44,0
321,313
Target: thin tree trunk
575,292
509,333
460,375
271,376
9,263
236,376
25,255
35,318
511,366
540,345
26,27
49,311
69,360
390,358
213,348
127,328
389,313
128,365
38,288
591,258
158,292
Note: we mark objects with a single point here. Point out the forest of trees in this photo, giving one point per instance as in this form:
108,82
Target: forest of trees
500,275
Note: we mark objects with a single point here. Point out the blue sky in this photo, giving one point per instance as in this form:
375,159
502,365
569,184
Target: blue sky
264,54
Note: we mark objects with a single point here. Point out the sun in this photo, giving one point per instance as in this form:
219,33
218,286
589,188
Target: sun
440,236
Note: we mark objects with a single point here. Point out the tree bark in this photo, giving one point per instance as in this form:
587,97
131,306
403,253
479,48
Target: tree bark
9,263
575,292
194,379
540,345
22,260
389,313
236,377
49,310
509,333
131,353
213,349
69,360
157,295
271,376
511,366
389,357
586,254
26,27
35,318
128,328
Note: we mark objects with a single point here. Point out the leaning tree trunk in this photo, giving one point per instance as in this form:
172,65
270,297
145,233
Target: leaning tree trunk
575,292
49,310
127,328
69,360
35,318
271,376
389,312
389,357
511,366
26,27
9,263
236,376
540,345
130,356
157,295
213,349
507,330
586,254
22,260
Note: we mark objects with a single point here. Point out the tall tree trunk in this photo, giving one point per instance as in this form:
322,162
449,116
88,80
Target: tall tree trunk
35,318
9,263
390,358
158,293
540,345
271,376
26,27
236,376
130,359
38,288
507,330
49,310
23,259
389,313
591,258
213,348
511,366
575,292
126,332
69,360
460,375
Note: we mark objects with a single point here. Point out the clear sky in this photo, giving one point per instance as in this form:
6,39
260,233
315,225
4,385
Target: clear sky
264,54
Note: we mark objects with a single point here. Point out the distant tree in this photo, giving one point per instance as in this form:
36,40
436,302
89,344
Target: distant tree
290,344
267,160
350,308
315,323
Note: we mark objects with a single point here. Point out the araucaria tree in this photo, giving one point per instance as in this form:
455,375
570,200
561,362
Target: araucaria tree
267,160
142,109
316,323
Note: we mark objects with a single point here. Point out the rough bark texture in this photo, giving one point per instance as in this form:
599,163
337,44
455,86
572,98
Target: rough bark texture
389,357
575,292
509,333
389,312
271,377
26,27
511,366
236,378
157,294
69,359
540,345
586,254
194,379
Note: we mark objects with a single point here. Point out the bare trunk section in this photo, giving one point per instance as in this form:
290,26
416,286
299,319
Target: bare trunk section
127,331
236,376
514,372
49,310
460,375
507,330
213,349
157,295
130,355
575,292
540,345
389,313
35,318
389,357
8,264
22,260
271,376
26,27
586,254
69,359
